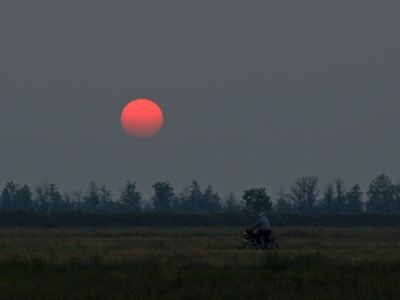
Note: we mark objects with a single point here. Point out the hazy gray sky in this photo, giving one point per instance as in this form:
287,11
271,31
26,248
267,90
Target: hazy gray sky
254,92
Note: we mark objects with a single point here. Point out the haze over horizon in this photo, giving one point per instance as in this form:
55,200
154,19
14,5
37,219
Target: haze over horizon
254,94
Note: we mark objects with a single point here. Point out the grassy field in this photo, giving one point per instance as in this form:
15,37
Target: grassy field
142,263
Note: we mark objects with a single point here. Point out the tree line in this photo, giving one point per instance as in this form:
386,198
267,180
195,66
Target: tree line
305,196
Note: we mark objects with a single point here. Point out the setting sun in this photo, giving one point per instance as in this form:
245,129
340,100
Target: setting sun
142,118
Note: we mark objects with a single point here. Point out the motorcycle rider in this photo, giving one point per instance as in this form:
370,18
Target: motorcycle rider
264,228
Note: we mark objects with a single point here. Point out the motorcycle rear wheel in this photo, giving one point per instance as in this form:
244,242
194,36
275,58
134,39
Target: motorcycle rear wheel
272,245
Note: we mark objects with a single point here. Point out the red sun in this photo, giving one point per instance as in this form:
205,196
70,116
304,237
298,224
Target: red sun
142,118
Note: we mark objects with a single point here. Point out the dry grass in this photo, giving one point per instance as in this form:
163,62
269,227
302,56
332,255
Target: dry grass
197,264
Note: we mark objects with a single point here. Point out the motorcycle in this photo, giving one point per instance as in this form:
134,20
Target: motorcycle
251,242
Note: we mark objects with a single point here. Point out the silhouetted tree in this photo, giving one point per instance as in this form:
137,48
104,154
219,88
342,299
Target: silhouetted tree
380,194
284,202
68,204
42,197
328,200
191,198
16,198
354,200
23,198
163,196
232,205
305,193
340,197
92,198
211,200
396,196
176,203
130,198
77,199
256,200
56,200
147,206
8,195
106,202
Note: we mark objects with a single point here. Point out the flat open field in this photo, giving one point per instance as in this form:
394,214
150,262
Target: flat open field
140,263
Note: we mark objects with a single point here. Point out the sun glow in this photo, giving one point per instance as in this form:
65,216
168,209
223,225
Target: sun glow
142,118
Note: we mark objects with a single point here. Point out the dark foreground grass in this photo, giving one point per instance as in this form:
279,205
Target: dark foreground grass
198,264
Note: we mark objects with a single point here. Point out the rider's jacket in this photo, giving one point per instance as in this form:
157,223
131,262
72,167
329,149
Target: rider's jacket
263,223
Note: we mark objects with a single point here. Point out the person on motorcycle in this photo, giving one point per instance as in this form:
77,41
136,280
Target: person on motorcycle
264,228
